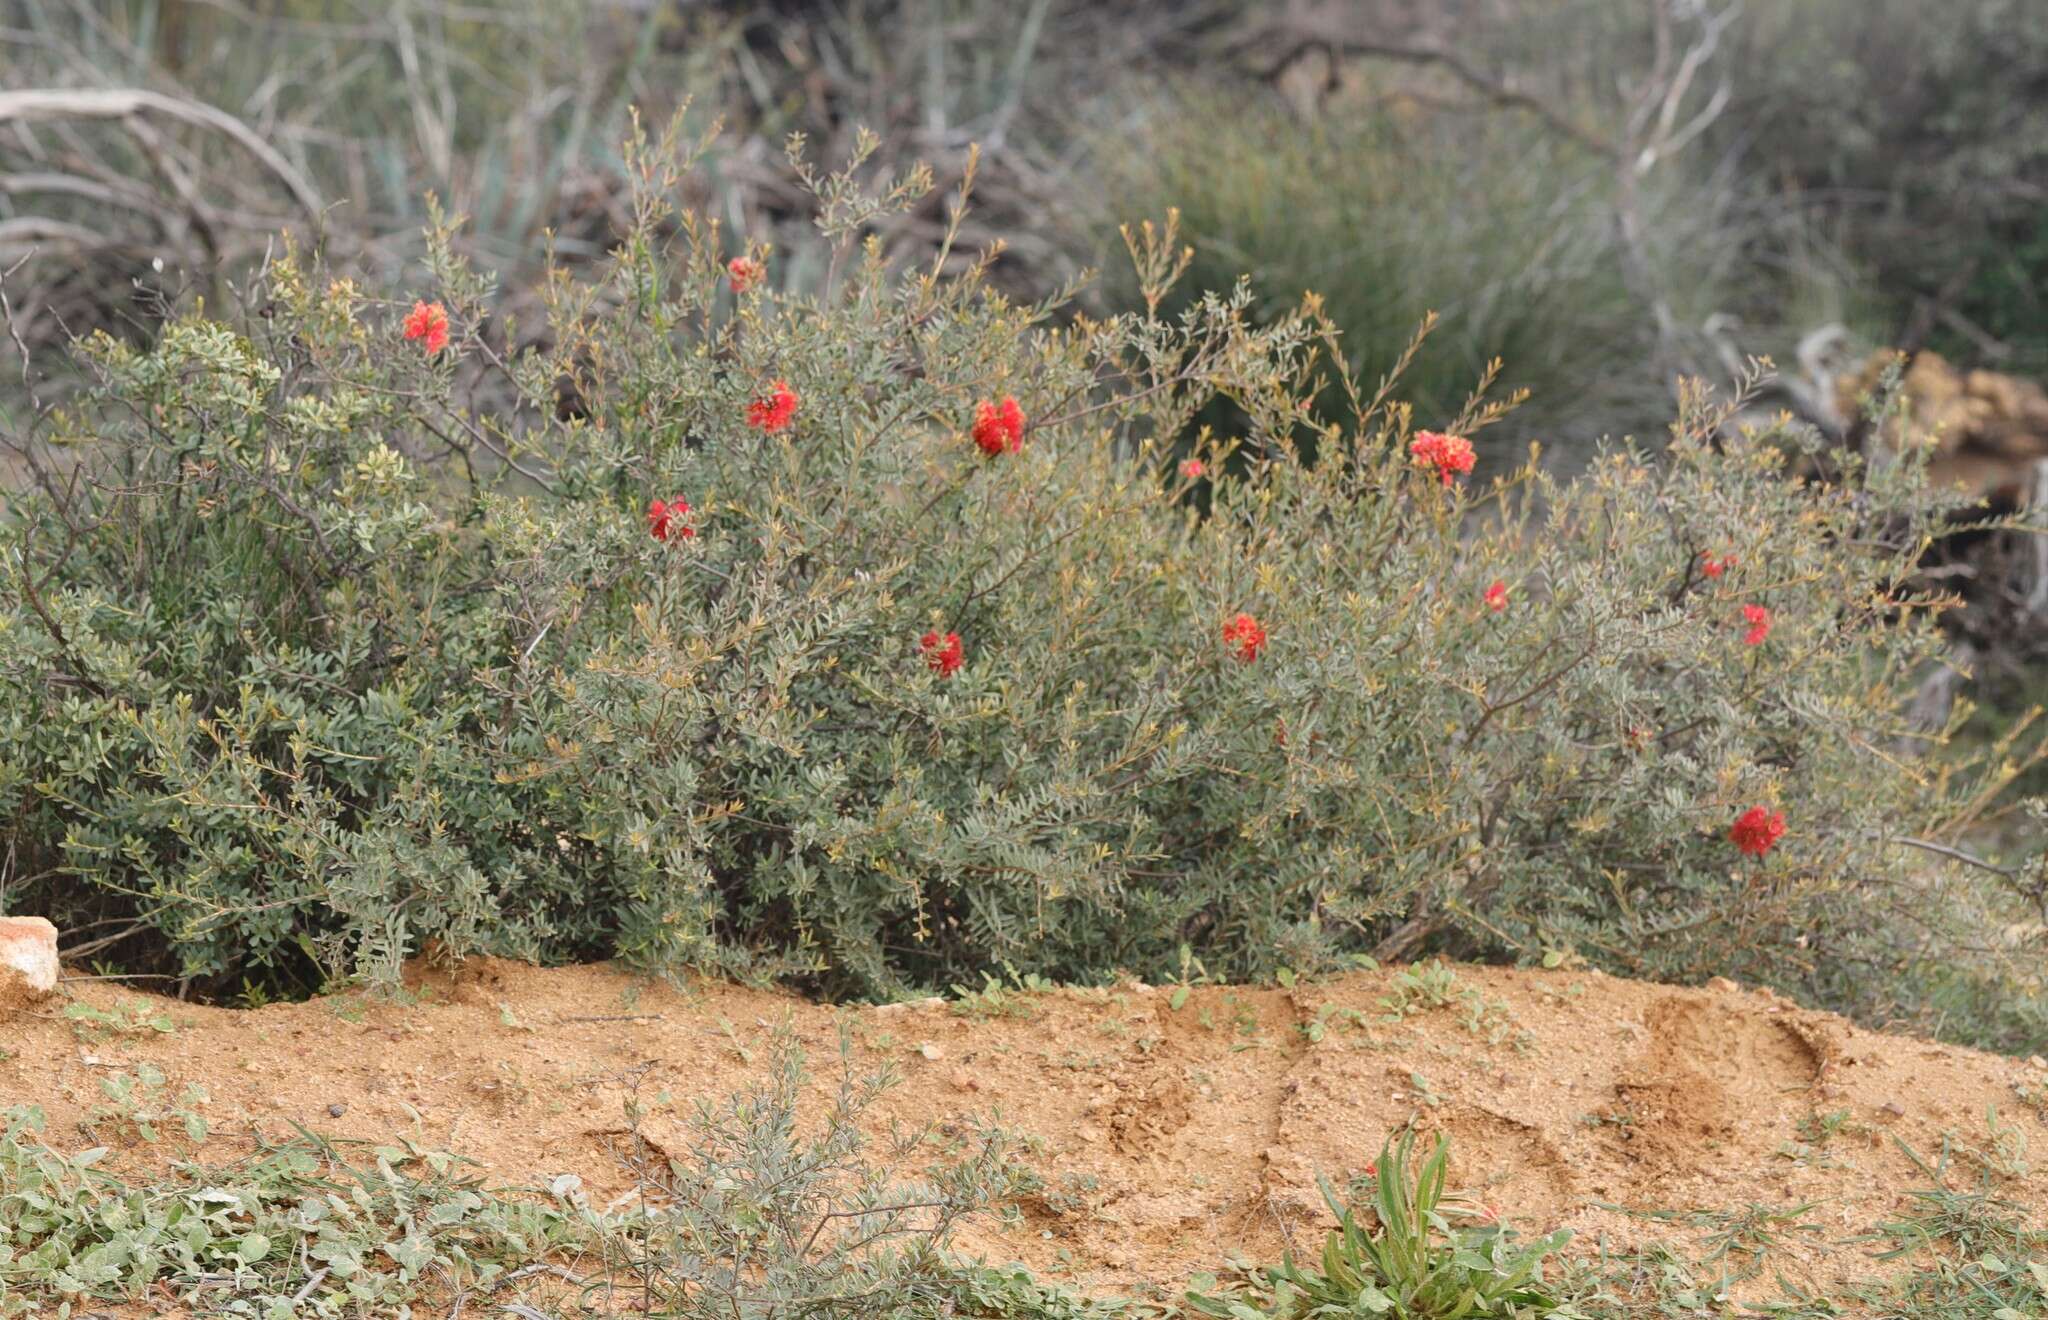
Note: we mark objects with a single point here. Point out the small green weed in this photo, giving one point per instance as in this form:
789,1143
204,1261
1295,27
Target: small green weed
1420,990
1746,1237
97,1024
1424,989
1820,1129
1815,1132
141,1102
1334,1017
982,1293
998,998
1415,1263
2001,1154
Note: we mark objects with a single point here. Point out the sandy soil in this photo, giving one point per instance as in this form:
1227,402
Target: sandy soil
1167,1137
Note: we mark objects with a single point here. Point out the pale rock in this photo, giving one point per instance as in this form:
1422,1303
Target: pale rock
905,1005
28,958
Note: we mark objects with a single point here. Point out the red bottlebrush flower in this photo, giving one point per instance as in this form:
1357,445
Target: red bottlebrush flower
1759,620
773,410
428,323
1755,831
1192,469
1244,633
1497,597
1450,455
745,273
1715,565
671,519
943,653
999,426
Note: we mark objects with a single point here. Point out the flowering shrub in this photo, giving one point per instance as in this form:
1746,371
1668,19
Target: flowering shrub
340,652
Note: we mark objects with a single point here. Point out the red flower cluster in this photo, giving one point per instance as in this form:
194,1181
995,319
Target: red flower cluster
1244,633
1756,830
745,273
1759,620
1192,469
999,426
1497,597
671,519
1450,455
943,654
428,322
773,411
1715,565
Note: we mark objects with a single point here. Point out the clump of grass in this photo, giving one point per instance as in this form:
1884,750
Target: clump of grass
1975,1259
1748,1236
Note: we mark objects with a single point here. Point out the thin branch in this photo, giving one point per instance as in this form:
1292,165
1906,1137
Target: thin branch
52,103
1944,850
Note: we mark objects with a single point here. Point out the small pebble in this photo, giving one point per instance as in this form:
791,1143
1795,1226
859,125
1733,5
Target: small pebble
336,1111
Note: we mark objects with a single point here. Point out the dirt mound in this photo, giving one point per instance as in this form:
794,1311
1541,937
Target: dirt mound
1171,1128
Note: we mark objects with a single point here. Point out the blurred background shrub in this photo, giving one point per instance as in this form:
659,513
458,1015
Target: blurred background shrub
1577,186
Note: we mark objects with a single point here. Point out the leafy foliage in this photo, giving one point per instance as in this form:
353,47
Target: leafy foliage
304,1227
323,649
